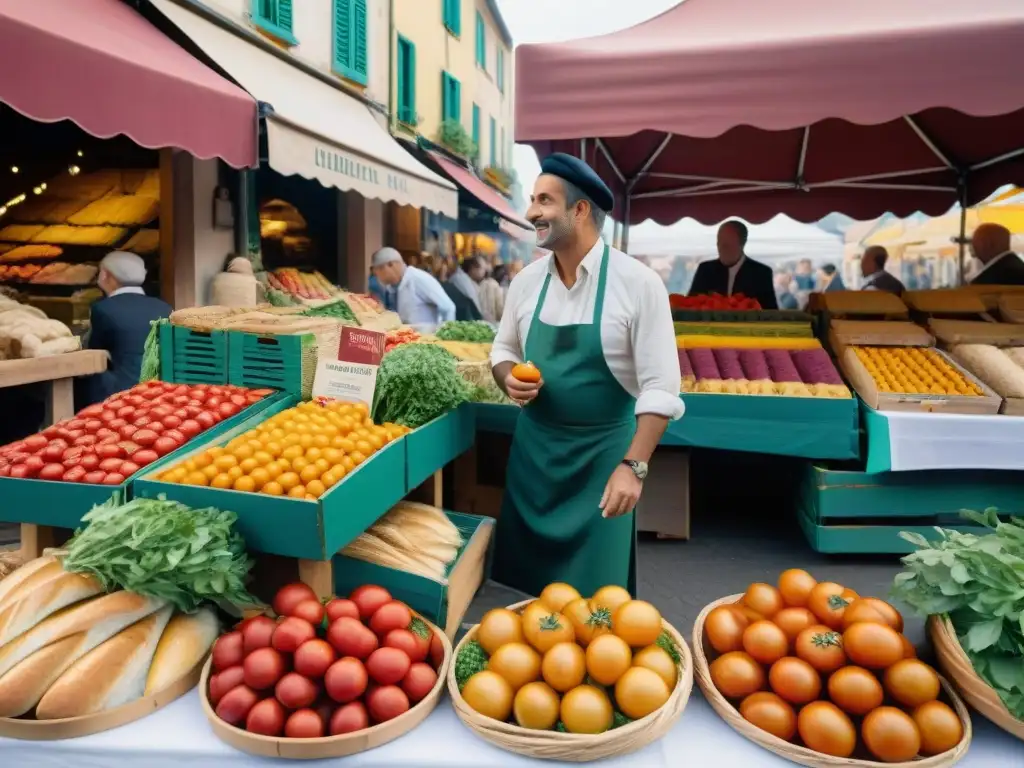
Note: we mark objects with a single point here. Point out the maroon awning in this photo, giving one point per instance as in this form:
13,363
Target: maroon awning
803,107
101,65
488,197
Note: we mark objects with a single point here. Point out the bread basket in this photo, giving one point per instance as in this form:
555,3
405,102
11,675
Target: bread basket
572,747
702,653
958,668
327,746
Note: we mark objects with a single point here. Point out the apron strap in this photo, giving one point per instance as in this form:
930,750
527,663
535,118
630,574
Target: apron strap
602,281
540,299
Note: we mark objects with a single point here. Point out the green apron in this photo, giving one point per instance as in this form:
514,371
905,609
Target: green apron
566,445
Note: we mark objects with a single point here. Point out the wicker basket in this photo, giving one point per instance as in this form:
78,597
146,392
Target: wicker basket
794,752
957,667
573,747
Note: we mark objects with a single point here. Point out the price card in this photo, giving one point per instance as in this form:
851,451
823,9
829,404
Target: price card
353,376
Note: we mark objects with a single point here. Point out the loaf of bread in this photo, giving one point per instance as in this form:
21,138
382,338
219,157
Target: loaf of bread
112,674
44,601
99,618
23,686
27,578
184,643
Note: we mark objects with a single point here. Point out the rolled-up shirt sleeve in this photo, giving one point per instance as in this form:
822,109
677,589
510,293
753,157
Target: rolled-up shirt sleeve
655,354
507,346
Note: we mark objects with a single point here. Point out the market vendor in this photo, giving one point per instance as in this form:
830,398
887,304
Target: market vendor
597,324
421,301
733,271
996,261
119,325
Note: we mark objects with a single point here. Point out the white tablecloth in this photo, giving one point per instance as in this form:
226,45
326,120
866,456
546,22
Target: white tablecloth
179,737
954,441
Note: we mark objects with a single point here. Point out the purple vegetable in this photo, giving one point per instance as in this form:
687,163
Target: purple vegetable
703,362
781,366
685,369
755,366
815,367
728,361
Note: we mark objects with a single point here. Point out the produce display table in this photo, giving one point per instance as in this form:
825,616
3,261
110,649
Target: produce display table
59,371
180,735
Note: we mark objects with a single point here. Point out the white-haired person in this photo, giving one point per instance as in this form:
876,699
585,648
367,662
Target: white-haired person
119,324
422,301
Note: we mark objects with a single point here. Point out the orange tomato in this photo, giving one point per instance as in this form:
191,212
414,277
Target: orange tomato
875,646
821,647
298,492
637,622
196,478
527,372
260,477
825,728
557,595
611,597
765,642
536,706
770,713
210,472
272,488
608,657
315,488
855,690
518,663
498,627
794,680
795,586
736,675
724,628
310,473
221,481
356,457
564,667
550,630
225,462
939,726
656,659
829,601
489,694
640,691
588,621
245,484
891,735
793,621
873,610
764,599
911,683
288,480
586,709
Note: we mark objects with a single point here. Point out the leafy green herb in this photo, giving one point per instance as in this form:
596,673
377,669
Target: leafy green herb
166,550
338,308
472,658
419,627
620,720
466,330
978,581
417,383
666,642
560,727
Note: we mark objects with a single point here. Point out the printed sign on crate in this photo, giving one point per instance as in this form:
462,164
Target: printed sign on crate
353,376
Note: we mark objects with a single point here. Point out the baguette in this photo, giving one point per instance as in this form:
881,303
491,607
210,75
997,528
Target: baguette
184,643
112,674
27,578
99,618
44,601
23,686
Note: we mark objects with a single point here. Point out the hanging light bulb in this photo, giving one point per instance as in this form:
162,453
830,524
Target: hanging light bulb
3,210
43,185
80,153
74,170
14,169
37,190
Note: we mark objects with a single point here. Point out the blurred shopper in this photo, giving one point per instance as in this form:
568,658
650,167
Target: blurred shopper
466,277
829,279
236,286
492,296
783,292
872,267
420,300
733,272
999,265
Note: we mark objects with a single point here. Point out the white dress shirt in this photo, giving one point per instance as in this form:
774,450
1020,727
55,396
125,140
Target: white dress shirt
637,334
422,302
127,289
466,287
733,271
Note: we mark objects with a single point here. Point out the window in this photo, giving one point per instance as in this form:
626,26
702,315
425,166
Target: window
476,127
451,97
481,42
499,73
406,82
452,16
351,60
494,132
274,17
501,149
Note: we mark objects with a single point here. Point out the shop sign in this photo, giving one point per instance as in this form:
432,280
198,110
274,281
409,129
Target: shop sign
361,170
353,375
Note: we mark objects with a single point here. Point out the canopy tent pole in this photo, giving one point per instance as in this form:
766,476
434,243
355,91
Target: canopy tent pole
962,240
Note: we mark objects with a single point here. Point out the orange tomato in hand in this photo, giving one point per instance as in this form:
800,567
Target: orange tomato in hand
527,372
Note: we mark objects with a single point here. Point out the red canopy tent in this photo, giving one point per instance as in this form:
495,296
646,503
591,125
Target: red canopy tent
802,107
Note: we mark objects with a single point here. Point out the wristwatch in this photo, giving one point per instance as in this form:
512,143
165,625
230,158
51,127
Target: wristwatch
639,468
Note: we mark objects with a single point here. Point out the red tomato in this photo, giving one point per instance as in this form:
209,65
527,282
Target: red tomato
5,470
213,402
313,658
35,442
190,428
180,400
34,464
351,638
266,718
107,416
368,598
346,680
386,703
387,666
205,420
304,724
96,477
436,651
92,410
295,691
339,607
125,411
86,440
129,468
137,400
171,422
115,402
257,633
310,610
228,651
89,462
227,410
127,431
179,413
419,681
21,471
235,705
223,682
406,641
290,595
111,465
51,472
160,411
263,668
351,717
116,423
174,435
105,432
192,410
73,475
90,425
53,452
291,633
110,451
145,456
114,478
164,445
145,437
392,615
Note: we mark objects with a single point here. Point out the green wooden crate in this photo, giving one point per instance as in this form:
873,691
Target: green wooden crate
281,362
193,357
868,539
311,530
444,603
435,444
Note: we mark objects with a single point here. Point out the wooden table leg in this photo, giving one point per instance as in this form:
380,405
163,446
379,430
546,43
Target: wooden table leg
61,402
465,481
319,575
438,489
34,539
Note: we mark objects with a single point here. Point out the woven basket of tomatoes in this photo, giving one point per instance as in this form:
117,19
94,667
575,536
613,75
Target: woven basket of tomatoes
824,677
956,665
570,678
324,680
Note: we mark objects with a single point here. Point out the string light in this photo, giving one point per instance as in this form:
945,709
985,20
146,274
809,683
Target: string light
3,210
80,153
14,169
37,190
74,170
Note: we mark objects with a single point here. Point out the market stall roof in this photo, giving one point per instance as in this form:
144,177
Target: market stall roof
101,65
316,130
487,197
803,107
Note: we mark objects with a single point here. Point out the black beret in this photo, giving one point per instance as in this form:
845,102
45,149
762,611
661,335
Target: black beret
577,172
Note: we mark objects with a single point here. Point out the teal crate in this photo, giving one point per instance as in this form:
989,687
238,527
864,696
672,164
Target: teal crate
62,505
310,530
280,362
868,539
193,357
494,417
443,602
438,442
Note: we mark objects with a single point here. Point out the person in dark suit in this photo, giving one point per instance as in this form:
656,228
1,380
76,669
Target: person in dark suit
119,326
872,266
733,272
990,245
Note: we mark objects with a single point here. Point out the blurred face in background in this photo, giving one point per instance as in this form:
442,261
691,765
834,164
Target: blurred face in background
730,249
390,273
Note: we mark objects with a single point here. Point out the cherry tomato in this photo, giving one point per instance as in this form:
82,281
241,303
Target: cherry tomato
290,595
257,633
314,658
351,717
391,615
263,668
235,705
368,598
295,691
339,607
387,666
266,718
350,637
291,633
346,680
304,724
310,610
824,728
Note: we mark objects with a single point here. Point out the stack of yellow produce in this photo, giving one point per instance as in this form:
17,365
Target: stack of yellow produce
300,452
914,371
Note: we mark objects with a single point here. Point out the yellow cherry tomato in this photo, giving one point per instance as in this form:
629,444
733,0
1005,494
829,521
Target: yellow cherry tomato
298,492
260,477
248,465
288,480
316,488
245,483
262,458
310,472
272,489
357,458
291,452
300,463
221,481
197,478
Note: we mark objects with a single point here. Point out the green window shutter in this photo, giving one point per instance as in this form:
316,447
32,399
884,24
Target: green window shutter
452,16
500,70
457,100
451,97
494,131
481,41
406,81
351,58
274,17
476,126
